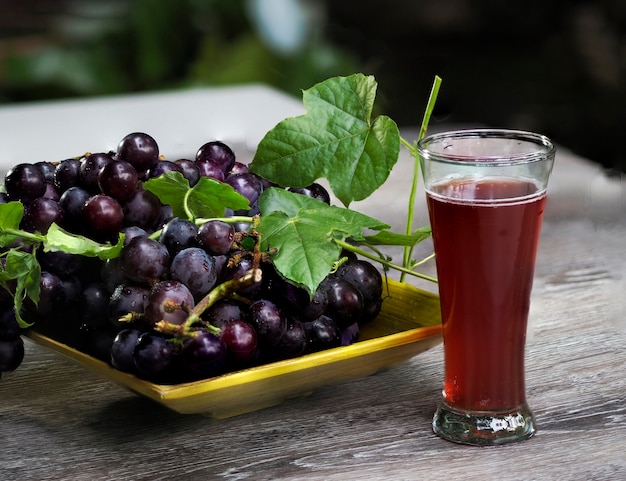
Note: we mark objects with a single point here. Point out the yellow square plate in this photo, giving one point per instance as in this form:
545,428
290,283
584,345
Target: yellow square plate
408,324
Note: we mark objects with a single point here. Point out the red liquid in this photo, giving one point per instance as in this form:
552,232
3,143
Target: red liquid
485,254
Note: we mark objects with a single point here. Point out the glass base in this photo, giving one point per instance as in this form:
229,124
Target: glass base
483,428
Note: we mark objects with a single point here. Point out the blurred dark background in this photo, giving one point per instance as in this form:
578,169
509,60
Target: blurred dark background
555,67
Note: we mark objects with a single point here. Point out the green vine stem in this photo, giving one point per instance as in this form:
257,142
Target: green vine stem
403,270
24,235
408,251
203,220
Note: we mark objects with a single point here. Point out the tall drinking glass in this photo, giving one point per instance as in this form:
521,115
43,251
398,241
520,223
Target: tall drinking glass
486,192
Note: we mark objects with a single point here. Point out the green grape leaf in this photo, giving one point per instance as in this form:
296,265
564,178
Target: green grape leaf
171,188
59,240
208,198
277,199
341,218
27,288
300,231
336,139
17,263
304,264
23,268
11,215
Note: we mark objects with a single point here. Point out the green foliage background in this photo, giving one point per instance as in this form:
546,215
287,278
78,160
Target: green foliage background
162,44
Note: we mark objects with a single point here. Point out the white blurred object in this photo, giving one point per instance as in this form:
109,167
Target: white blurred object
284,25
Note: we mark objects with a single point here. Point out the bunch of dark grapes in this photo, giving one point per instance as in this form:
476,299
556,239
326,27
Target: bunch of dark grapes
134,311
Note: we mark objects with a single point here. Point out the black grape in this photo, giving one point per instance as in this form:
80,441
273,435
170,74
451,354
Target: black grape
119,180
51,191
122,350
154,357
40,214
72,202
268,320
163,166
67,174
224,311
166,214
47,169
103,217
322,333
368,280
51,294
127,299
364,276
142,209
24,182
90,167
216,237
178,234
217,153
140,150
144,260
315,191
296,300
316,306
204,354
247,184
345,302
240,339
211,170
132,231
293,342
169,301
293,298
196,269
190,170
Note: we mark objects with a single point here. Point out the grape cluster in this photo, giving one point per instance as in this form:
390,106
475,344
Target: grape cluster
182,301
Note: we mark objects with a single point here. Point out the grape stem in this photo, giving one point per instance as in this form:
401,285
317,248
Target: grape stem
386,263
223,290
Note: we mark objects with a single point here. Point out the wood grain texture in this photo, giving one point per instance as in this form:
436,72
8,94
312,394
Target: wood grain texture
59,421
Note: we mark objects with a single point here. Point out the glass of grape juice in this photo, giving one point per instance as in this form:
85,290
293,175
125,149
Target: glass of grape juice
486,193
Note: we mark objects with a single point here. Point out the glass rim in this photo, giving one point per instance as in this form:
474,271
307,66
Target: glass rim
544,151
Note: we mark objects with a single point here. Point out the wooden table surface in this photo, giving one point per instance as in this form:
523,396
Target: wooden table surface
60,421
